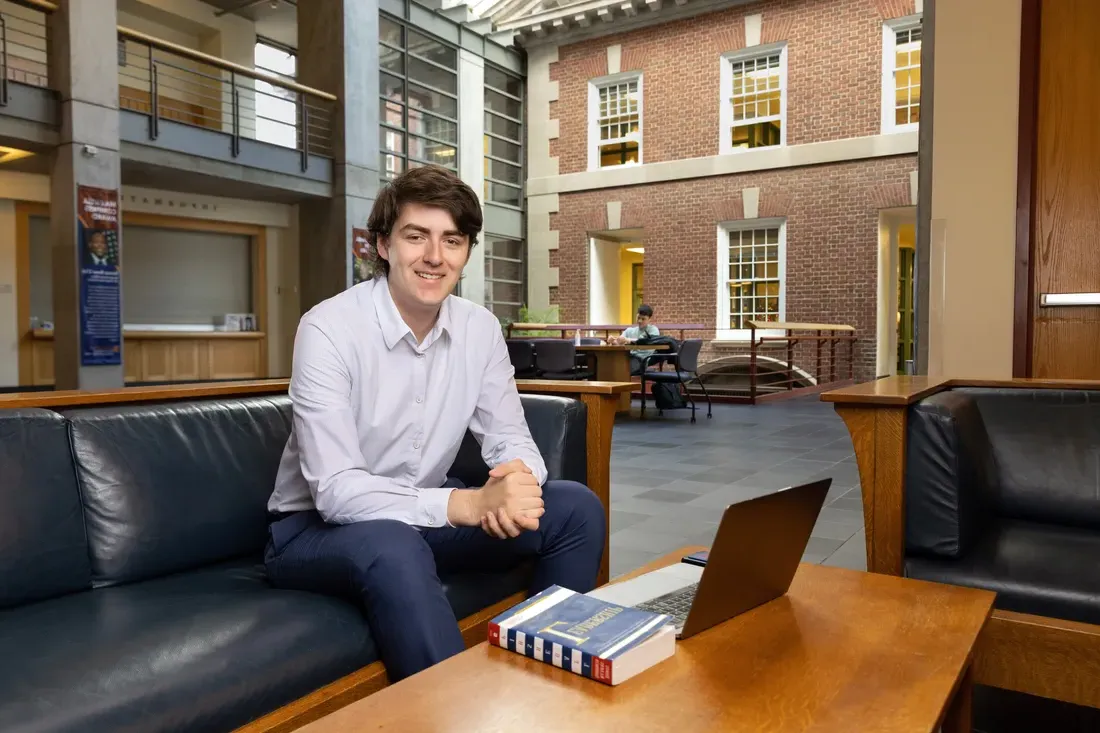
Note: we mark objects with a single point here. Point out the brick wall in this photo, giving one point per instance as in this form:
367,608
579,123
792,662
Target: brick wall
834,75
832,215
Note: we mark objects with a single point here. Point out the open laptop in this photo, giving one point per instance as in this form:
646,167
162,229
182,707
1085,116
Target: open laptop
752,561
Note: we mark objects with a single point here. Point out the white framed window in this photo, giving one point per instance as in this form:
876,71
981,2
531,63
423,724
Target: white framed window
753,109
752,268
901,57
615,121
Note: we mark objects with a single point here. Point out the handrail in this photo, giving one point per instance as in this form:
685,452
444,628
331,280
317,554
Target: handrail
43,5
206,58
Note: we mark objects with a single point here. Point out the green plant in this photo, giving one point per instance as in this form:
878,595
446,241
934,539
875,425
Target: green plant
529,315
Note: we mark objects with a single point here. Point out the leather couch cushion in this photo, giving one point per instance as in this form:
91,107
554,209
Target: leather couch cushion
206,650
201,651
1035,568
1044,444
558,426
42,546
169,487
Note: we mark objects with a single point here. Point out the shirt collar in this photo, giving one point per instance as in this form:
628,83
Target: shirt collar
394,328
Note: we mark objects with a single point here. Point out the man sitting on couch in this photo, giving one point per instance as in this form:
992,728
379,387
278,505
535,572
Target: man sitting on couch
386,379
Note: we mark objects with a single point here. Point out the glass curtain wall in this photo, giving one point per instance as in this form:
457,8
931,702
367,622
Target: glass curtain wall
503,137
419,105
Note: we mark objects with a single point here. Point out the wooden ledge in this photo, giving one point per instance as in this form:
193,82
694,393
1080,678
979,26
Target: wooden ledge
184,391
46,334
902,391
559,386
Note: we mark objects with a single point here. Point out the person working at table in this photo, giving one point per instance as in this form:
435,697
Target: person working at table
632,334
386,379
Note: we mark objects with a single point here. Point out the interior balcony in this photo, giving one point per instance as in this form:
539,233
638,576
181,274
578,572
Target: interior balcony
188,121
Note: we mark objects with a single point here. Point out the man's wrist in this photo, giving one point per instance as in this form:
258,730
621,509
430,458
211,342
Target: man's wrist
462,507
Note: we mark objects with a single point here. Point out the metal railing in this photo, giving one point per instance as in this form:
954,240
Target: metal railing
781,359
24,45
170,82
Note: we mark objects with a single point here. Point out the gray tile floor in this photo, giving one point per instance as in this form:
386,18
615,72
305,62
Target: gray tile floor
670,479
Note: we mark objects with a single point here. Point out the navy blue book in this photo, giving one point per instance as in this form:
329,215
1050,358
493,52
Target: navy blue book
586,636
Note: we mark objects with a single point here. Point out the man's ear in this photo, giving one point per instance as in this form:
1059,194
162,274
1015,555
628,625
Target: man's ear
383,246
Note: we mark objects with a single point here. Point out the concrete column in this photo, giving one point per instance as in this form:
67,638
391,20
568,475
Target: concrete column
471,158
86,78
338,53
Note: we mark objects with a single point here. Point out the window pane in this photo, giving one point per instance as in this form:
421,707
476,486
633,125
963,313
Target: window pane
506,248
422,123
391,140
756,135
503,149
500,126
391,60
392,88
504,82
432,101
431,152
433,76
502,194
390,32
618,154
433,50
392,165
502,104
504,172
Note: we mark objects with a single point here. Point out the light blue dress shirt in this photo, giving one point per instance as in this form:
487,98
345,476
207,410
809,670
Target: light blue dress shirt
379,418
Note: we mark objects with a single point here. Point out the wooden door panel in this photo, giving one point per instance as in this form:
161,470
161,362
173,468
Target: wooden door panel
1066,237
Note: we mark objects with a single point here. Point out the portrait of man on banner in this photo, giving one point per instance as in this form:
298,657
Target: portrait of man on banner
100,249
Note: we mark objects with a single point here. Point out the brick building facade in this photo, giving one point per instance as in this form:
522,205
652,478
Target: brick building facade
826,149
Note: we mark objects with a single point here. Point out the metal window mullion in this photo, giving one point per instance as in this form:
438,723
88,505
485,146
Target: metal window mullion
504,116
495,136
436,64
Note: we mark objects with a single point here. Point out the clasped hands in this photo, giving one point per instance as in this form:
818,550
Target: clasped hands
509,502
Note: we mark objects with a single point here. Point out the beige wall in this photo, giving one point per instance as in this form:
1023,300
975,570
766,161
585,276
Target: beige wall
973,216
281,233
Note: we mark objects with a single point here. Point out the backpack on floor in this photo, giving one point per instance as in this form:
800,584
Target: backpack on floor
667,396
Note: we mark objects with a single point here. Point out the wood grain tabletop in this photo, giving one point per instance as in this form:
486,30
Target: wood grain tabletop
843,651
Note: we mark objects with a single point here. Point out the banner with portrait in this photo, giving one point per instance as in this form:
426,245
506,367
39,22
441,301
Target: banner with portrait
360,247
100,276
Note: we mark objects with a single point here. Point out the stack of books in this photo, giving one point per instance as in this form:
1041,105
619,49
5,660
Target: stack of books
586,636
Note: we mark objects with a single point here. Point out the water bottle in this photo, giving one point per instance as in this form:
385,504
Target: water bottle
577,337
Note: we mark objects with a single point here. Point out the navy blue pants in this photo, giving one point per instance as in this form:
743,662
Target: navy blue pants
392,569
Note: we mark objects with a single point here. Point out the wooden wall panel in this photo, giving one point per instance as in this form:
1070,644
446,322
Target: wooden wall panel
1065,251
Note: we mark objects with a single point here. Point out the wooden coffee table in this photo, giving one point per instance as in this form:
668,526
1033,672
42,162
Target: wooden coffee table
843,651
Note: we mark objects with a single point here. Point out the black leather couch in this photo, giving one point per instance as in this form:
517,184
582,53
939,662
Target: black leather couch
132,591
1002,492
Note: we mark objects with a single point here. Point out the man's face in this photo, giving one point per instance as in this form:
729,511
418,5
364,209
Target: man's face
426,253
98,245
643,321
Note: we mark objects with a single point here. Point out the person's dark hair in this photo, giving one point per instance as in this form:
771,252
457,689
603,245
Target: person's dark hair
430,185
645,310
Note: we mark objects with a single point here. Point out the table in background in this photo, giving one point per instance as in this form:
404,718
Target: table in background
613,364
843,651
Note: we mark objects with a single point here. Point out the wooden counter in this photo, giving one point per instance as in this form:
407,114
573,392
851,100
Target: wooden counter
171,356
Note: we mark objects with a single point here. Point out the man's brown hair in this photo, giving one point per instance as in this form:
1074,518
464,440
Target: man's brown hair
431,185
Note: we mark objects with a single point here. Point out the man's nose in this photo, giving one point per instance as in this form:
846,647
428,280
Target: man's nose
433,253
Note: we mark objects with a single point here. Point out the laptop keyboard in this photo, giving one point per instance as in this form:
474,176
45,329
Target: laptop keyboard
676,604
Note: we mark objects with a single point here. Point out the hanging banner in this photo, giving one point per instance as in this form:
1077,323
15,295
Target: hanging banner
360,247
100,278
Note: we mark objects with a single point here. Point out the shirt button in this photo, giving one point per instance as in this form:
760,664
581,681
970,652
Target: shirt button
419,400
416,445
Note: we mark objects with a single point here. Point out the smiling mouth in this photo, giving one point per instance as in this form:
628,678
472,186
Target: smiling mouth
429,276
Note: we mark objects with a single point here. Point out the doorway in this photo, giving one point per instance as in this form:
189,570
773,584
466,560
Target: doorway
616,277
896,340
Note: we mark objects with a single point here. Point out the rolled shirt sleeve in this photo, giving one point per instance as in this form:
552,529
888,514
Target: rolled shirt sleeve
343,490
499,422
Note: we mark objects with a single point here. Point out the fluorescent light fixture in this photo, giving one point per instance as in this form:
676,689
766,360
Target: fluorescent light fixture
1053,299
636,250
7,155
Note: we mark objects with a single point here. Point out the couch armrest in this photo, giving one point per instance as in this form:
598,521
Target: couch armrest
948,474
558,426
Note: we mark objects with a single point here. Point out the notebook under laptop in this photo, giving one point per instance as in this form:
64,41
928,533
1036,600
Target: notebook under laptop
752,561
